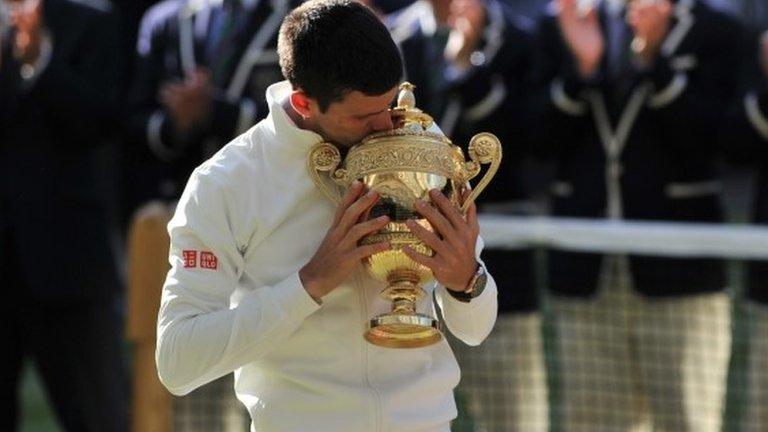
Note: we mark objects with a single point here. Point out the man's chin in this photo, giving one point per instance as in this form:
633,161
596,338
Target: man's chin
347,143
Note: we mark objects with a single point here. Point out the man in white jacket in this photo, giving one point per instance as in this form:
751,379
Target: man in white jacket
266,278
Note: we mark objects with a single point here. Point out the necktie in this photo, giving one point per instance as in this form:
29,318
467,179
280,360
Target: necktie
617,40
436,66
221,47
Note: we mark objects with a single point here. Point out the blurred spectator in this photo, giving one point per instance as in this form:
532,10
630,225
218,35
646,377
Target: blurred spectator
747,141
58,85
632,97
202,71
469,60
130,12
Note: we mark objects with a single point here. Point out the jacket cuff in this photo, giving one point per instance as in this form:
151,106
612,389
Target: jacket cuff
158,136
567,98
756,109
567,89
293,298
668,83
575,84
482,94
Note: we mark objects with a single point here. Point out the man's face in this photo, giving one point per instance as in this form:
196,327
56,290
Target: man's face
354,117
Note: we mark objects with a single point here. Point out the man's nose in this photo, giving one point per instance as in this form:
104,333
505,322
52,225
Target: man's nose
382,121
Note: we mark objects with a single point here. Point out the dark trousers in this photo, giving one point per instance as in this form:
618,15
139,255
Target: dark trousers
75,346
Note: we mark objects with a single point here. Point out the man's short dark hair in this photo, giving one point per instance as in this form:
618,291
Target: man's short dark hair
328,48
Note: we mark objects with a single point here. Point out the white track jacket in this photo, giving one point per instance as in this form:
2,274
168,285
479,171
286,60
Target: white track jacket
249,219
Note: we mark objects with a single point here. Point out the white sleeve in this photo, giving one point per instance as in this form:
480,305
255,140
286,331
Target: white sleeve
199,338
471,322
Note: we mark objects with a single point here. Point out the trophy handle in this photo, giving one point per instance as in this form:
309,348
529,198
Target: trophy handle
325,157
484,148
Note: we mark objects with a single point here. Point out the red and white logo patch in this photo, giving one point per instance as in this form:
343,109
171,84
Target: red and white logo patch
208,261
190,258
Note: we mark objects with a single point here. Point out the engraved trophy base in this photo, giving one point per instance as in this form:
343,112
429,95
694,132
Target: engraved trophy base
403,327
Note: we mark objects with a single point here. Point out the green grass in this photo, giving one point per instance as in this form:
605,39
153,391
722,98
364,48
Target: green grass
36,414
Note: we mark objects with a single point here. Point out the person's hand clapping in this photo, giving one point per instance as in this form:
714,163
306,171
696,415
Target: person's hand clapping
650,21
583,36
467,21
27,18
188,102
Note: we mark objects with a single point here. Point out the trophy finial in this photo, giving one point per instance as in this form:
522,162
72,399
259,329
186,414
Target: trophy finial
412,117
406,99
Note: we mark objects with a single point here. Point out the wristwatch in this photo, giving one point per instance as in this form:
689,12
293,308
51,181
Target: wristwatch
474,288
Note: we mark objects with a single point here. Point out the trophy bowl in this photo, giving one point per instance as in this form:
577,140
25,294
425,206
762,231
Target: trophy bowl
402,165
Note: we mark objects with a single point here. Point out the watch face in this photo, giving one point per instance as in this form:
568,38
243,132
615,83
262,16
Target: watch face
482,279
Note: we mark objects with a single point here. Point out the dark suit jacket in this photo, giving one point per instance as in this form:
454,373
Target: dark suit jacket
489,97
746,142
51,213
172,42
639,146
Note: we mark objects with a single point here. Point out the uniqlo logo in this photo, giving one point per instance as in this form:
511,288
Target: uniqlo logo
190,258
208,261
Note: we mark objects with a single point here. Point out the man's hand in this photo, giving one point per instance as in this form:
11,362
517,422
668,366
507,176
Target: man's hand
453,241
467,22
582,34
650,20
339,254
763,54
188,102
27,18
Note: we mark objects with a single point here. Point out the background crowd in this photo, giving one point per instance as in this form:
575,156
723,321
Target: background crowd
652,110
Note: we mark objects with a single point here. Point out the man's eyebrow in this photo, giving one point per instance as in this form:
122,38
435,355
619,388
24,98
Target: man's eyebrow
372,114
379,111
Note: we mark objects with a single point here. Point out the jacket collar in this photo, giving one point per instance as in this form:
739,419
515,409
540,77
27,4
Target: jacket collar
287,134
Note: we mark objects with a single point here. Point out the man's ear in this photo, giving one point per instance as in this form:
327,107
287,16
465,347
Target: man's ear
301,103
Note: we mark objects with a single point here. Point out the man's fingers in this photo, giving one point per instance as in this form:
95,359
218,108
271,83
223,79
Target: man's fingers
352,213
364,228
422,259
428,237
368,250
349,197
474,225
439,222
450,211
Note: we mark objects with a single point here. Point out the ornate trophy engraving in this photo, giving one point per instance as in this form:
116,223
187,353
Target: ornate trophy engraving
403,165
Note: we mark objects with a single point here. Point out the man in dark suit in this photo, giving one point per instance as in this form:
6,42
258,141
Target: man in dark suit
470,60
632,95
200,79
58,82
746,141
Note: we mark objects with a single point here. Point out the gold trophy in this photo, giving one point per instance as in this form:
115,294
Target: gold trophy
403,165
